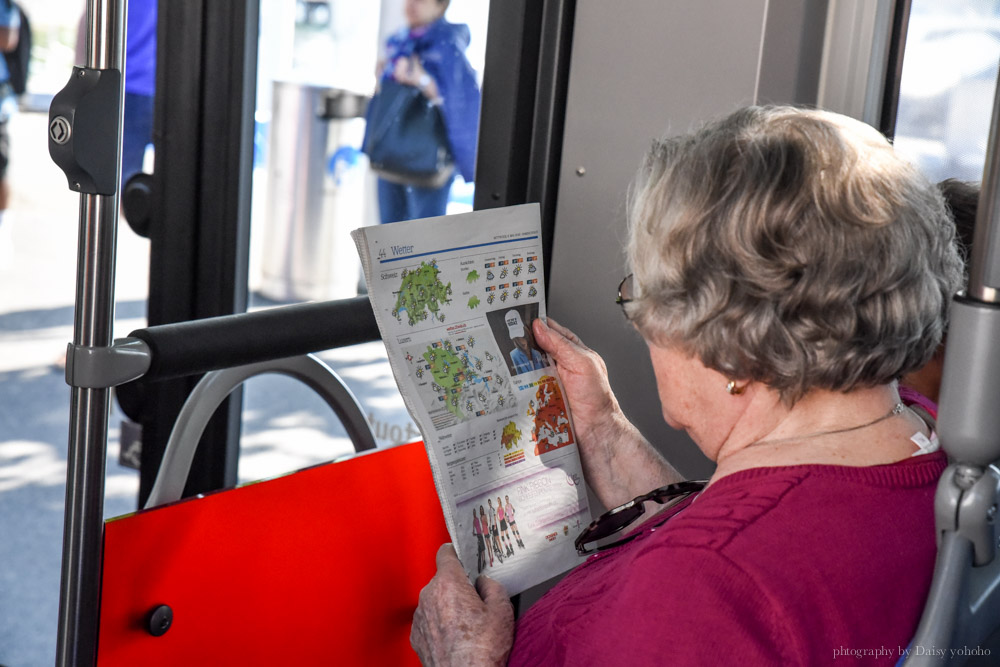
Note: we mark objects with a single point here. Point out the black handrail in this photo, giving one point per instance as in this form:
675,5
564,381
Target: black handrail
200,346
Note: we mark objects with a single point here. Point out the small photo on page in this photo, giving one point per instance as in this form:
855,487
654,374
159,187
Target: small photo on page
511,328
550,419
494,528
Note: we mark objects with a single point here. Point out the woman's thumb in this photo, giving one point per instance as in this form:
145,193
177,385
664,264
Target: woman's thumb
546,337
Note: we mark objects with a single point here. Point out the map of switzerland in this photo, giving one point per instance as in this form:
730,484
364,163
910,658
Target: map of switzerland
460,378
421,292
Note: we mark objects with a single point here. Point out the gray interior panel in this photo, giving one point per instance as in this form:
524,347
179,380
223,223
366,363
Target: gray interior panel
640,69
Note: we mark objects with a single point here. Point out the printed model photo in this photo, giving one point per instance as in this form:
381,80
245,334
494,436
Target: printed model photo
495,528
512,330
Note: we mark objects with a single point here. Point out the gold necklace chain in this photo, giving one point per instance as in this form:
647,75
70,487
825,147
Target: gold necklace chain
896,410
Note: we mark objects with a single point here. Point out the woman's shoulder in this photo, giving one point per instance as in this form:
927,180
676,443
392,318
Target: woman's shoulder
727,508
441,32
768,503
915,470
399,37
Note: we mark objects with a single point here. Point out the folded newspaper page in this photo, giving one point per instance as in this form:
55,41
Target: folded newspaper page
454,297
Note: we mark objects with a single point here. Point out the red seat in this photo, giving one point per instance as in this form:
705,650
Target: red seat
322,566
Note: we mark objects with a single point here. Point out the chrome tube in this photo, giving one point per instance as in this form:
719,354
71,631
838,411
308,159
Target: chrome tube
83,528
984,262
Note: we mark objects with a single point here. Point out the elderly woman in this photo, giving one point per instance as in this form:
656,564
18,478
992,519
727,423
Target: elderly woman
786,269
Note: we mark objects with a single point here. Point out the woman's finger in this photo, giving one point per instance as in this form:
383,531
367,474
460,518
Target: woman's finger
566,333
492,592
555,341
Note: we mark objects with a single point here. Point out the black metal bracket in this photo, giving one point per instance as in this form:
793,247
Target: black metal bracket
84,122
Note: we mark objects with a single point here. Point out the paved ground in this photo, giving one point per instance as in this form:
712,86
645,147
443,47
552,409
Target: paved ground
285,426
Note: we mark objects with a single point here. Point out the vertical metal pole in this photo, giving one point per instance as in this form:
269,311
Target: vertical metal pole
83,528
984,262
969,422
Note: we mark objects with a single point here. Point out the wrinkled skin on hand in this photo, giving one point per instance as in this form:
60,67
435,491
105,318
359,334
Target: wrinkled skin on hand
456,624
618,461
585,377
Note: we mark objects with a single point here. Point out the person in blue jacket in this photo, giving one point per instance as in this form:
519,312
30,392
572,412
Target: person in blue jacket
140,85
430,54
10,23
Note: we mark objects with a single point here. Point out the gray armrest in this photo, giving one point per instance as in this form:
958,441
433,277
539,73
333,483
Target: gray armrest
963,606
213,389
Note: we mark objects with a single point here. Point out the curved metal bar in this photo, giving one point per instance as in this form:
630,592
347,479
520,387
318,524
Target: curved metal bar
947,599
216,386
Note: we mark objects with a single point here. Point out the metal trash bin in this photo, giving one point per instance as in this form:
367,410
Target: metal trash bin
316,193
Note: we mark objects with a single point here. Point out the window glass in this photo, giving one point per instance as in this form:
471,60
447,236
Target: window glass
318,66
948,80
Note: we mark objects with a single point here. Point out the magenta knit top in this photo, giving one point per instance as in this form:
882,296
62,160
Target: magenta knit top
770,566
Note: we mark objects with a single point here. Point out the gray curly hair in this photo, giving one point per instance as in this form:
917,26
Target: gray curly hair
791,247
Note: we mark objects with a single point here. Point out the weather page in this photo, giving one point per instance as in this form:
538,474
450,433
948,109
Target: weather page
454,298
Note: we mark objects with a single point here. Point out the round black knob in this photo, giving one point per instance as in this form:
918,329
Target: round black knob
137,203
159,620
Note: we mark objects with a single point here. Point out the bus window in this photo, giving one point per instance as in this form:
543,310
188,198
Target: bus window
311,186
947,86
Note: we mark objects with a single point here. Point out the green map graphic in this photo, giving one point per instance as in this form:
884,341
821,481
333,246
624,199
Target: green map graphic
422,293
460,377
472,277
511,435
451,373
473,301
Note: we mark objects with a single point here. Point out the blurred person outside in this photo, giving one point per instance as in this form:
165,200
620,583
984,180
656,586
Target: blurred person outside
140,81
429,54
10,24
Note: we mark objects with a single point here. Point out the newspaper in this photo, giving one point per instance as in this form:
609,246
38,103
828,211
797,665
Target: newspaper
454,297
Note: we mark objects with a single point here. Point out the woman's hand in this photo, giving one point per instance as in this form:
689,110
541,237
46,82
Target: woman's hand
456,625
411,72
585,379
618,461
